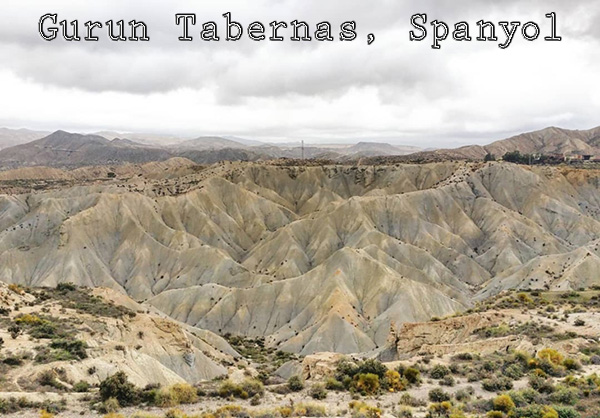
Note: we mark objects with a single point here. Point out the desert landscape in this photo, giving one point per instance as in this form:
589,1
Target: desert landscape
146,276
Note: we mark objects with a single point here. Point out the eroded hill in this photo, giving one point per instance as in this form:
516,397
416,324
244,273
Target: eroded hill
54,337
319,258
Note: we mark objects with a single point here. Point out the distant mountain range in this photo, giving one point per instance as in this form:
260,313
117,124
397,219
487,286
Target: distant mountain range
12,137
64,149
548,141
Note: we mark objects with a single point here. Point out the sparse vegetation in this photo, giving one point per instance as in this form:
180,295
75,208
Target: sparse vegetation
318,391
245,390
295,384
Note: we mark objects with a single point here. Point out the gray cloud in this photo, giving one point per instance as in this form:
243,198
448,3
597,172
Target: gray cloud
405,87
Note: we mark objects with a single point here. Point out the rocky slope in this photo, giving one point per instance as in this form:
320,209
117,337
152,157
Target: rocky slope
548,141
311,258
117,333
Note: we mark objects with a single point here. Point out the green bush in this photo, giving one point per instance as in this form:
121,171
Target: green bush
309,410
346,368
295,384
109,406
120,388
66,287
245,390
318,391
413,375
541,383
525,397
253,387
81,386
497,384
566,412
74,347
333,384
438,395
513,371
447,381
229,389
571,364
184,393
462,395
565,395
372,366
504,403
536,411
439,371
367,383
409,400
49,378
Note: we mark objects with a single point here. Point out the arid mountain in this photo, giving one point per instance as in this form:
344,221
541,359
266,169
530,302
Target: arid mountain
154,140
320,258
12,137
376,148
73,150
209,143
63,149
549,141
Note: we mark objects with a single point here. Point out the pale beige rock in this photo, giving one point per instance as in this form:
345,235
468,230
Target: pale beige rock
320,366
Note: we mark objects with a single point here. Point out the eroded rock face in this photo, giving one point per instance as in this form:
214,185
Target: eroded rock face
311,258
469,334
412,338
320,366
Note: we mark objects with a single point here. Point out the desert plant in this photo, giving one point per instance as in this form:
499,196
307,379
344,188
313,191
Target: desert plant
120,388
394,381
81,386
566,412
318,391
110,405
295,384
333,384
504,403
245,390
497,384
362,410
49,378
309,410
571,364
438,395
439,371
184,393
66,287
447,381
367,383
14,331
412,375
565,395
409,400
551,355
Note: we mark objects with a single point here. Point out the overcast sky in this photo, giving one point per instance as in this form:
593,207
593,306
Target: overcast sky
393,90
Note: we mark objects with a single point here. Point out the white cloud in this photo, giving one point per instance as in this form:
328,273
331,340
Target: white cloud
393,90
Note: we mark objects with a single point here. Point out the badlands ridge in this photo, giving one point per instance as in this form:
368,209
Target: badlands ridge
312,258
